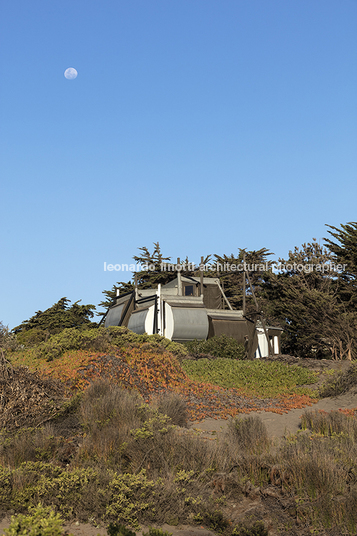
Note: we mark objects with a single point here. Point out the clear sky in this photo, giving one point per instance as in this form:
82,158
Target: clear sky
205,125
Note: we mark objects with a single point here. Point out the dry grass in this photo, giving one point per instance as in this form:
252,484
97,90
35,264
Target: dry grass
249,434
328,424
104,403
341,383
173,405
29,445
129,463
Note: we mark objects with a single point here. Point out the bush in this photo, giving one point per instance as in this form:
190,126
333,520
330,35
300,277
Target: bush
114,529
174,406
329,424
343,382
216,521
8,340
104,403
156,532
108,413
29,445
217,346
40,521
248,433
102,340
257,529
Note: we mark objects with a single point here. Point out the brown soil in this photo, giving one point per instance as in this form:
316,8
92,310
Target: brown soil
84,529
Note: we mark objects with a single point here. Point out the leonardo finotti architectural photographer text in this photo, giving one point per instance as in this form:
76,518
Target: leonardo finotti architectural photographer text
228,267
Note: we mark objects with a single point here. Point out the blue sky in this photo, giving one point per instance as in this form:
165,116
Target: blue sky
204,125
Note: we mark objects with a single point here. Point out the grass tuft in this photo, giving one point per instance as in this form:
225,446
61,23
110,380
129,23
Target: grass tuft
249,434
341,383
174,406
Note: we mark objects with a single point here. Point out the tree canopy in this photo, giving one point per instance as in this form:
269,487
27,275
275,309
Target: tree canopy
55,319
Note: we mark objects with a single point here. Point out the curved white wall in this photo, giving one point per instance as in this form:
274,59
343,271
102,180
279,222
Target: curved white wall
142,321
185,323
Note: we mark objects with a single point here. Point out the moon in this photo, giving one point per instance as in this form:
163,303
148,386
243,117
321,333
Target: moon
70,73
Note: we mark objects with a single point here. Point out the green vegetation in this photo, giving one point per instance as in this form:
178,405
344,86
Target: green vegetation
257,529
125,463
100,340
40,521
340,383
260,378
218,346
330,424
156,532
114,529
54,320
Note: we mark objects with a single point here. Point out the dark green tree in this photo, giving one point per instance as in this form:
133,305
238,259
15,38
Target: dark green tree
344,250
55,319
256,263
152,274
304,299
110,294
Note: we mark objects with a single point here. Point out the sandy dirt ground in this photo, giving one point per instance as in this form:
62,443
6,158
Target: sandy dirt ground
279,425
84,529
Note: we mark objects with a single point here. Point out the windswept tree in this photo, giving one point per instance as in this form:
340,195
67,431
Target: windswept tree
344,250
257,264
156,269
152,274
55,319
120,286
304,299
149,276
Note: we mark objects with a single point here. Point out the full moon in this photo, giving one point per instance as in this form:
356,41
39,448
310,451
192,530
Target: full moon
70,73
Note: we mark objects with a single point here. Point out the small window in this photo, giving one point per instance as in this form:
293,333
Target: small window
189,290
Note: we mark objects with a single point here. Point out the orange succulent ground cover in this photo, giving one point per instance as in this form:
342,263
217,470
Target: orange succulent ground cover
151,373
349,412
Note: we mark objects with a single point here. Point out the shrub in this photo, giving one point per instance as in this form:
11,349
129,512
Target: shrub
329,424
257,529
101,340
217,346
341,383
103,402
216,521
156,532
174,406
311,468
28,445
40,521
108,413
114,529
248,434
8,340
